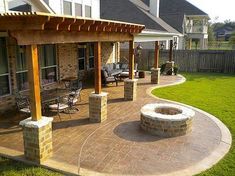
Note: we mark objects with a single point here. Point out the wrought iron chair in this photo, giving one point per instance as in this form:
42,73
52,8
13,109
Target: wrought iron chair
23,105
76,91
64,104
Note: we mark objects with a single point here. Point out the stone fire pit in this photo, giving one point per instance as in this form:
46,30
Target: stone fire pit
166,120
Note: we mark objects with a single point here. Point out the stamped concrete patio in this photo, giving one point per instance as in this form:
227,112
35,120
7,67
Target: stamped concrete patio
118,146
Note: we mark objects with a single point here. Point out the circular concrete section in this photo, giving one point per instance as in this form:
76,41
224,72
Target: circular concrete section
166,120
121,147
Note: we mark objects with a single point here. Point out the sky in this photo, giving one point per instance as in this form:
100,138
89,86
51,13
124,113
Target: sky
223,9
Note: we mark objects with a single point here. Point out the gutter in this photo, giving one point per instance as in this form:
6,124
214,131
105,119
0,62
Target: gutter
154,33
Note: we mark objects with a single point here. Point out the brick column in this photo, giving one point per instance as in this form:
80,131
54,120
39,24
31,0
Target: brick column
37,139
98,107
155,72
130,89
169,67
98,99
155,75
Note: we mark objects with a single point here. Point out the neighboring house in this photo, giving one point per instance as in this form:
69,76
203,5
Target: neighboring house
188,20
137,11
224,33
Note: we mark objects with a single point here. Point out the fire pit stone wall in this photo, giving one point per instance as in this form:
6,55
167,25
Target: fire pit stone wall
166,120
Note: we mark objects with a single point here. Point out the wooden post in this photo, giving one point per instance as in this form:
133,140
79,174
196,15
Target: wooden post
97,67
131,59
171,51
156,54
34,84
190,44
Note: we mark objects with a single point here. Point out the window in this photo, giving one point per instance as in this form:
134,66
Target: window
48,64
88,11
81,57
78,9
67,8
21,69
4,73
91,55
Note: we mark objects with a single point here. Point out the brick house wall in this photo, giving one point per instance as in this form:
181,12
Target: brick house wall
67,62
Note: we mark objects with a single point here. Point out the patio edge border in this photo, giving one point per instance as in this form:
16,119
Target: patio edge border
50,164
217,154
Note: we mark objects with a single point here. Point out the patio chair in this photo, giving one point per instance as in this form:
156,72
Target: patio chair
64,104
76,89
108,79
22,104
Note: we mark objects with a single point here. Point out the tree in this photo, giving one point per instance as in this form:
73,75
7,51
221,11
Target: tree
211,34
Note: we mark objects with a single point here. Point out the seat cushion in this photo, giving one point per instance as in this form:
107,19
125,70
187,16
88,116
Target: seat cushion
124,74
124,66
75,100
25,110
61,106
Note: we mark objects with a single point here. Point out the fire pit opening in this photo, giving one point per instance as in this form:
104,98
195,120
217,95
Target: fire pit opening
168,111
166,120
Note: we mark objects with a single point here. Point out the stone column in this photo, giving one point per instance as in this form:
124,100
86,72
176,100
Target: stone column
98,107
170,67
155,72
130,89
37,139
155,75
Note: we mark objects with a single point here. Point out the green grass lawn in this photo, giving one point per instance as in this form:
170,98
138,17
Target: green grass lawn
214,93
13,168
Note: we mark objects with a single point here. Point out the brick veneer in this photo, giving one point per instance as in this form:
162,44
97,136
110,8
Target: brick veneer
106,52
130,89
67,60
98,107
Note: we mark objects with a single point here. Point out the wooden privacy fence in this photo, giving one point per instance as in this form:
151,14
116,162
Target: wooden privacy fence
190,60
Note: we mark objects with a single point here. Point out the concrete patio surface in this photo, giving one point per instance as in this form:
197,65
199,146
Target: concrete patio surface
118,146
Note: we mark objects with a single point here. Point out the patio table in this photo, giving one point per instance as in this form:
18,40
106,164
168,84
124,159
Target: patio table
49,96
53,94
67,81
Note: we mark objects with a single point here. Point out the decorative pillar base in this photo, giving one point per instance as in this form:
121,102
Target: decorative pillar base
130,89
98,107
169,67
37,139
155,75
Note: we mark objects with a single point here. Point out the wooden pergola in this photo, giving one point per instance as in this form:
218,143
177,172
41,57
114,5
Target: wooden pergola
34,28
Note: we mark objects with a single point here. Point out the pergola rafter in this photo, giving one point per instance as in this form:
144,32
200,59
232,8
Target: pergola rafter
40,28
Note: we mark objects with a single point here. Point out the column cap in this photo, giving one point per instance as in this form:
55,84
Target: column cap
36,124
130,80
102,94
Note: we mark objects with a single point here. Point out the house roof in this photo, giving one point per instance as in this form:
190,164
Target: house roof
135,11
174,11
24,6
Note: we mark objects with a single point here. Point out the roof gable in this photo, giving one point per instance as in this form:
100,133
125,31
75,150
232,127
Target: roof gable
173,12
135,11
